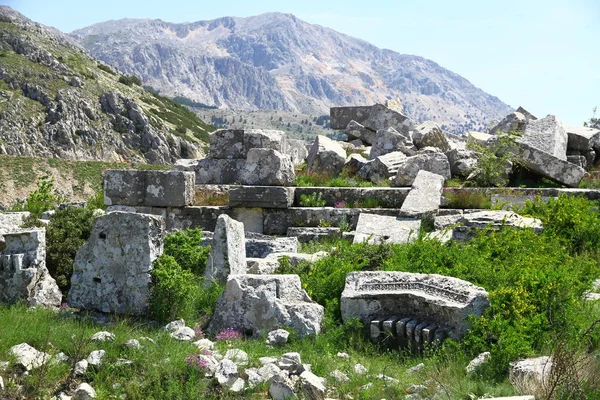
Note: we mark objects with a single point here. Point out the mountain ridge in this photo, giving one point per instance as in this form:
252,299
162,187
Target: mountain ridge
277,61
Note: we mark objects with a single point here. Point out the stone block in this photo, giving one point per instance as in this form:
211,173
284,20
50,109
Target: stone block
548,135
112,270
440,300
267,167
380,228
582,138
326,156
383,167
252,218
297,151
390,140
436,163
227,144
552,167
462,161
382,117
261,246
513,122
261,196
264,139
341,116
307,235
204,217
425,195
354,130
148,188
384,197
429,134
227,251
257,304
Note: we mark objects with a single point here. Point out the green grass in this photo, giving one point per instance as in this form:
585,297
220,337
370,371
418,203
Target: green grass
306,178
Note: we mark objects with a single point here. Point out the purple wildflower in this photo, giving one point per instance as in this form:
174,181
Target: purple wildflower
339,204
229,334
64,305
199,332
196,361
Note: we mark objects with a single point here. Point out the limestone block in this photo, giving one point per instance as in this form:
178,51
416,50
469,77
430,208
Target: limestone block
261,196
376,228
297,151
213,171
264,139
111,271
149,188
550,166
382,117
462,161
252,218
389,140
436,163
326,156
226,144
262,303
383,167
513,122
425,195
308,234
582,138
548,135
267,167
354,130
429,134
227,250
442,300
341,116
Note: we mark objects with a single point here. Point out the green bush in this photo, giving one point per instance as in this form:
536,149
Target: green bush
66,232
494,160
314,199
185,247
106,68
42,199
129,80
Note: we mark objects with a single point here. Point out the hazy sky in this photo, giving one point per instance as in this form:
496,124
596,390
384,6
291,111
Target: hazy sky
541,54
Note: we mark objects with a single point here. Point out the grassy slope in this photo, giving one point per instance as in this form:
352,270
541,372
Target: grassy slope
77,180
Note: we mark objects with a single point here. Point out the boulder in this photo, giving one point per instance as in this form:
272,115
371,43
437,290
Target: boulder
228,250
513,122
462,162
442,300
342,116
582,138
267,167
227,144
383,167
436,163
261,303
389,140
312,386
277,337
226,373
96,358
297,151
149,188
475,139
548,135
326,156
28,357
23,273
381,228
111,271
478,361
103,336
552,167
354,130
430,134
425,195
281,388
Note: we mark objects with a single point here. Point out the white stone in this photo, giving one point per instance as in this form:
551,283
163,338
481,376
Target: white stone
96,358
425,195
478,361
290,362
339,376
80,367
429,134
226,373
312,387
239,357
436,163
267,371
416,368
133,344
281,388
204,344
548,135
267,167
227,251
84,392
277,337
267,360
28,357
326,156
388,379
103,337
254,378
377,228
531,372
360,369
390,140
343,355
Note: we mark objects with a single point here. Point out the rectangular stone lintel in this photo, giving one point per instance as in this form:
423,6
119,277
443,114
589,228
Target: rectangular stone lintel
261,196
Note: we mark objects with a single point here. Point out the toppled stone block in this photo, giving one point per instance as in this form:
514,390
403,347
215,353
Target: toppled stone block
263,245
383,167
430,134
462,161
382,117
297,151
425,196
23,272
212,171
262,303
513,122
390,140
436,163
226,144
326,156
267,167
341,116
478,139
264,139
148,188
354,163
552,167
582,138
548,135
227,251
354,130
380,228
111,271
432,299
261,196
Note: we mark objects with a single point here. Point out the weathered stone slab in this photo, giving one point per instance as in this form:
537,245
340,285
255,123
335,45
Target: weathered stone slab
297,151
425,196
251,218
390,140
341,116
379,228
462,161
478,138
582,138
326,156
212,171
258,304
383,167
227,251
263,245
513,122
23,273
548,135
111,271
384,197
441,300
261,196
149,188
382,117
429,134
436,163
531,372
308,234
549,166
204,217
354,130
267,167
227,144
264,139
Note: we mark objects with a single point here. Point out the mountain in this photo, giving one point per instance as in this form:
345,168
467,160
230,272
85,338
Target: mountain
56,101
277,61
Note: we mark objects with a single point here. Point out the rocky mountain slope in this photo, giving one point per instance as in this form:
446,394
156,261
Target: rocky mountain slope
277,61
57,101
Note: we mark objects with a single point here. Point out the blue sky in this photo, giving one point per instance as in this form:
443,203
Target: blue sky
541,54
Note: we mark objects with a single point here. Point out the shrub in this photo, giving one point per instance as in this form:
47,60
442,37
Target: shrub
187,250
106,68
314,199
42,199
66,232
466,199
129,80
495,161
